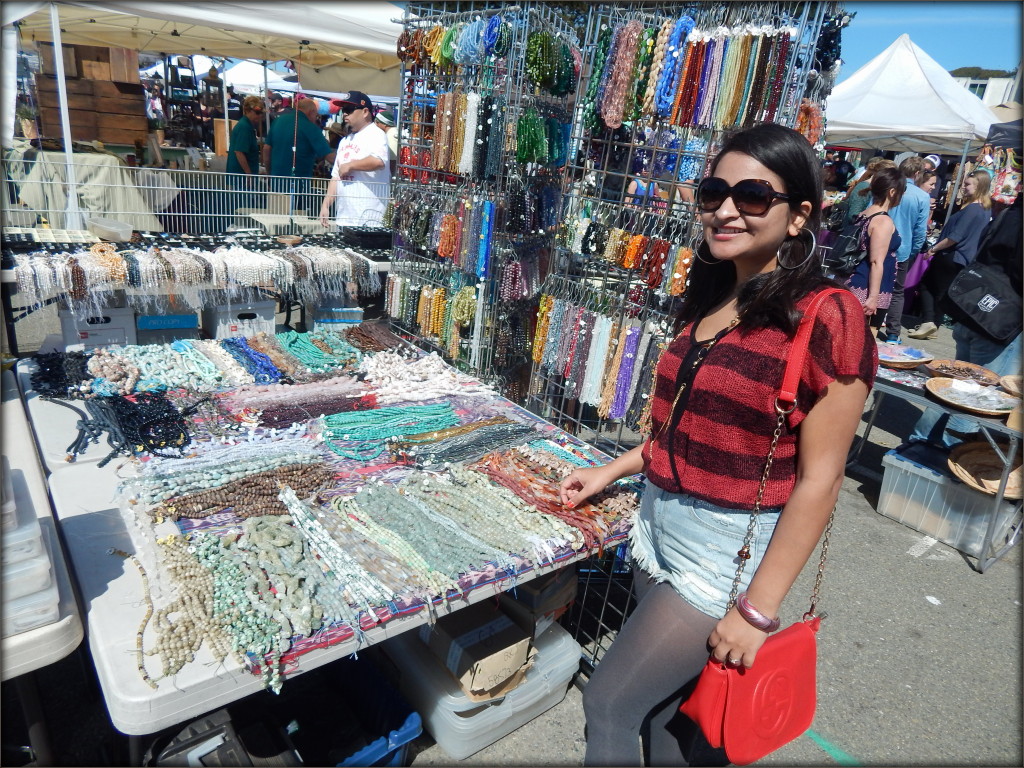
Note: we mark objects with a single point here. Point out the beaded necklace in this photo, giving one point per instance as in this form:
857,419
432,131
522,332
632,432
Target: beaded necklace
591,100
624,378
600,342
673,62
621,66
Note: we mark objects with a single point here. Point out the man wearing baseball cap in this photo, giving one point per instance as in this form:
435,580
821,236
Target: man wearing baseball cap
361,177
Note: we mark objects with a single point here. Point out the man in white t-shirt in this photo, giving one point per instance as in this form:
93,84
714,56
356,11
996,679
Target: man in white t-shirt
361,178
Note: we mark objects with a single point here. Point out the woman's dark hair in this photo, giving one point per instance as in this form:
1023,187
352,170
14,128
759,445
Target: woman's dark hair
767,300
885,180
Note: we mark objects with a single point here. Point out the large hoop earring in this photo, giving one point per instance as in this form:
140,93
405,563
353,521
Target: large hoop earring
807,257
696,253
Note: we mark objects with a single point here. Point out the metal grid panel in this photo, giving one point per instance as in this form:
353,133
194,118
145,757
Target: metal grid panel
600,168
505,79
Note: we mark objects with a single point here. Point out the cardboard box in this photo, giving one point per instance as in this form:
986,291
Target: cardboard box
481,645
541,602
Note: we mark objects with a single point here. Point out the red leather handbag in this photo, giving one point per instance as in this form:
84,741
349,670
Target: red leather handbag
752,712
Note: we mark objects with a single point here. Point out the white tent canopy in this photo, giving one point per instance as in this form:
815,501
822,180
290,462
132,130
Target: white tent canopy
903,100
354,41
250,77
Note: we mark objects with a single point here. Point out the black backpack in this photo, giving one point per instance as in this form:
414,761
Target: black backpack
849,249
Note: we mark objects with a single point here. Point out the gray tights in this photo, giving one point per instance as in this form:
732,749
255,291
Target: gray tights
662,647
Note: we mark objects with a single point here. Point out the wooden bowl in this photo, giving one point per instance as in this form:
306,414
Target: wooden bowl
958,369
289,239
939,388
979,467
1012,384
901,356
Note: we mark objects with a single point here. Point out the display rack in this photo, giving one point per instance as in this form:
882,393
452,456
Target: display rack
663,85
485,121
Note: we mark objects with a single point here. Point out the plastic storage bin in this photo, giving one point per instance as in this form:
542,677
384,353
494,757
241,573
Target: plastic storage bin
344,713
110,229
31,611
162,322
332,318
112,326
463,727
27,577
226,320
918,492
10,506
24,542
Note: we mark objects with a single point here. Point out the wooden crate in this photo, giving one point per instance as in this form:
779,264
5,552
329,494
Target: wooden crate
124,65
95,70
221,136
48,65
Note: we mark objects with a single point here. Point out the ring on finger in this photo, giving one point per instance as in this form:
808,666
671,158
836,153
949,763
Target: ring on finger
735,662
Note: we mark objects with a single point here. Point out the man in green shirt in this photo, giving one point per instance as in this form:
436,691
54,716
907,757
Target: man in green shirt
244,147
293,145
244,155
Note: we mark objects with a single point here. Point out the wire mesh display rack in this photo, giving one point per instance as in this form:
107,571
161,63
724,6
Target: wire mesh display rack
637,177
478,220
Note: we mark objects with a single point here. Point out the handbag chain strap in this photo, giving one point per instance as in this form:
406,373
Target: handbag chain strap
785,404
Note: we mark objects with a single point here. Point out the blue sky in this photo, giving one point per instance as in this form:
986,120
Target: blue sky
955,34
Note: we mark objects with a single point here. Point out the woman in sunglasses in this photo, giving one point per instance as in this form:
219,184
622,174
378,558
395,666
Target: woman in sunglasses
713,419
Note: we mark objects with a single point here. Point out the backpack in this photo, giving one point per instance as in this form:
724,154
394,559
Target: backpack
849,249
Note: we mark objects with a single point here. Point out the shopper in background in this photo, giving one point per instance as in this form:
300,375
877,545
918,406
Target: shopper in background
244,147
361,178
859,196
293,145
911,219
385,120
1002,247
956,248
712,427
873,280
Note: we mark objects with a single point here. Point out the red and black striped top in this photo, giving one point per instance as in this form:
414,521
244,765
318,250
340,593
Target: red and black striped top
717,450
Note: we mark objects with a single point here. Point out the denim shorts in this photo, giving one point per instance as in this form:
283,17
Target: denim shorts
692,544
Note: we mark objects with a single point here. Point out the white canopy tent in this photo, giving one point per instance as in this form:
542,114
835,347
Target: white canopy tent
351,42
904,101
251,77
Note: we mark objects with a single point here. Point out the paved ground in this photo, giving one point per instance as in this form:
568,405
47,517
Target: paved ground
920,656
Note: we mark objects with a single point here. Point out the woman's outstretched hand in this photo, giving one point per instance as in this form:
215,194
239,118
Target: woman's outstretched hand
580,484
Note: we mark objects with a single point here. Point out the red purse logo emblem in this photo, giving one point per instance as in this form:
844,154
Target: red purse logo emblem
773,703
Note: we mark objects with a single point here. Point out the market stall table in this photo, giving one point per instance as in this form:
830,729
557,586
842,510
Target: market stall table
94,527
909,386
33,649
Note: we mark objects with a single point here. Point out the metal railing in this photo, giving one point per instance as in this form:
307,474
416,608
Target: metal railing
165,200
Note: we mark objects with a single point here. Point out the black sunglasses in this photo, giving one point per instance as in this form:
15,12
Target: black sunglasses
752,197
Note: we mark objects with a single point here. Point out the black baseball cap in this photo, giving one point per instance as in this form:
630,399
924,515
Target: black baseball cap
356,99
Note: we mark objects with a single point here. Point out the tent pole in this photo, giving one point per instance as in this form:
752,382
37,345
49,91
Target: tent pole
266,99
224,96
72,215
959,180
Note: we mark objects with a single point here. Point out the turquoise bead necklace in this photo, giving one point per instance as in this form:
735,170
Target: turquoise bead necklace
365,432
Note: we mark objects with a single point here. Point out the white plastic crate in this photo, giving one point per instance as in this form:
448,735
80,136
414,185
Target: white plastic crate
27,577
463,727
25,541
917,493
329,317
10,506
110,229
224,321
111,326
31,611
